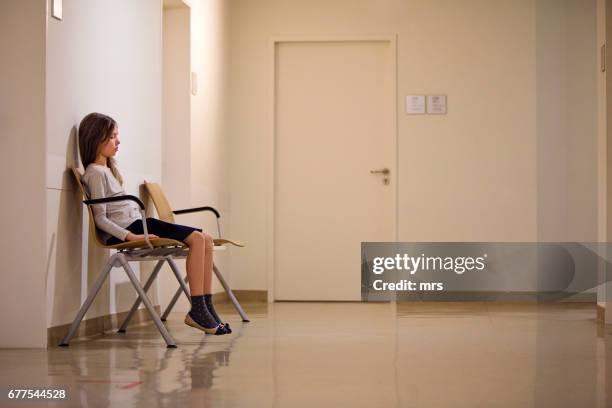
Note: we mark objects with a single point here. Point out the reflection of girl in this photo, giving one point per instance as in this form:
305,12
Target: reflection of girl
121,220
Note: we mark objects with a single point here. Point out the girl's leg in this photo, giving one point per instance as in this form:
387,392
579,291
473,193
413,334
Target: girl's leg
199,316
195,267
208,263
208,271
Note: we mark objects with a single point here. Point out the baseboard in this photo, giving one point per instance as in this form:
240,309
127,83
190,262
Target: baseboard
97,325
243,296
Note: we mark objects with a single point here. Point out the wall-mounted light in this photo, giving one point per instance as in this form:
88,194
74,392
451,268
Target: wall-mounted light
56,9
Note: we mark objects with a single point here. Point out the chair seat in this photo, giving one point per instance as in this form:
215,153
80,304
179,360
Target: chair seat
166,242
223,241
141,244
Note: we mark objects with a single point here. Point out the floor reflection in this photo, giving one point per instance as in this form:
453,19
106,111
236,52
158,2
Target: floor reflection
416,354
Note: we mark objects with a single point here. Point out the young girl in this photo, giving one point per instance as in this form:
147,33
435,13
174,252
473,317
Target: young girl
121,220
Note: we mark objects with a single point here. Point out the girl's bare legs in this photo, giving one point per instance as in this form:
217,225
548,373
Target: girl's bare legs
195,266
208,263
208,271
199,274
200,263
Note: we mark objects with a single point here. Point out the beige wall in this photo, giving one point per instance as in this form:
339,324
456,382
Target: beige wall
474,174
567,72
195,154
567,123
176,105
104,56
22,172
176,126
209,144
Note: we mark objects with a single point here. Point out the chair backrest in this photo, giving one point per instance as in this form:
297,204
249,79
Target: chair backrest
94,233
164,211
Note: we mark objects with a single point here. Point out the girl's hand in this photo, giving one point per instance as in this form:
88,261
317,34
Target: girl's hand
135,237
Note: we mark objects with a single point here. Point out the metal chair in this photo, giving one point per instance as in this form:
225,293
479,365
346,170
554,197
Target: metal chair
148,249
165,213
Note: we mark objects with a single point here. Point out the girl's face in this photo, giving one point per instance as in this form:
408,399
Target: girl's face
110,147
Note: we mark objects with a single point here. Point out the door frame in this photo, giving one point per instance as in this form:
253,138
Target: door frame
272,135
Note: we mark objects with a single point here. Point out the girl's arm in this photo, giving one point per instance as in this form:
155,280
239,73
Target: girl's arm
97,189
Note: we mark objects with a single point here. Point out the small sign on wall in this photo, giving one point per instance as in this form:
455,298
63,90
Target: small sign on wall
436,104
415,104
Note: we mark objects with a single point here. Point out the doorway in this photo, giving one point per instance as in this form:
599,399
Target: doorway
335,177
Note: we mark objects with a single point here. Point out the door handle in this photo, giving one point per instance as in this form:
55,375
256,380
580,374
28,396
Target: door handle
384,171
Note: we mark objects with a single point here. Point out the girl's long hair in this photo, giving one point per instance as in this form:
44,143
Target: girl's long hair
94,130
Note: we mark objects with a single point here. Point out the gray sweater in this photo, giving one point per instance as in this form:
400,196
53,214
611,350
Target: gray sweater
112,218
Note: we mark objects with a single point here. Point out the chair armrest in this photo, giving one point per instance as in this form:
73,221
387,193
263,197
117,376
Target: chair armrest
197,209
123,198
117,198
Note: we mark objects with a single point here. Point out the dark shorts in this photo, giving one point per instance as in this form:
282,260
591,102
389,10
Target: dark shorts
160,228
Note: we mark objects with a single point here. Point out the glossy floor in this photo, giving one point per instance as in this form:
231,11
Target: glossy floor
340,355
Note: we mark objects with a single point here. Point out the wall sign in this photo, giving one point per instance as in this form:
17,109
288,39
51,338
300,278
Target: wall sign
436,104
415,104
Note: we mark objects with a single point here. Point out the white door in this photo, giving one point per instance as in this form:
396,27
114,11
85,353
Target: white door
334,123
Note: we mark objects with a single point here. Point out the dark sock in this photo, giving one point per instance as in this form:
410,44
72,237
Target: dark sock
200,313
211,308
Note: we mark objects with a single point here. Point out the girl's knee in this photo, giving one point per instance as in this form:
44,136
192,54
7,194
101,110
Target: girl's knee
209,243
196,238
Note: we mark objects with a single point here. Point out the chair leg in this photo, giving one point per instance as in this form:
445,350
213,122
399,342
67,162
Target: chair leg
93,292
177,273
172,302
139,300
160,326
230,294
182,288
